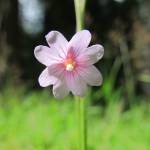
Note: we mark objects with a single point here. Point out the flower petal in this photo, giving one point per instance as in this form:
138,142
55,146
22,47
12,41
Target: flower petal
91,55
57,70
95,52
91,75
76,84
45,79
80,41
46,55
60,89
58,41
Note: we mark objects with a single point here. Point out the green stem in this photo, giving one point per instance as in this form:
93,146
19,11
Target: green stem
80,11
81,120
80,102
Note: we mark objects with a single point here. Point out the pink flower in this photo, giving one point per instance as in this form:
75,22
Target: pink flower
69,65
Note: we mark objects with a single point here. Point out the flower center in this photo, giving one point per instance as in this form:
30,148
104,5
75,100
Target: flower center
69,67
69,64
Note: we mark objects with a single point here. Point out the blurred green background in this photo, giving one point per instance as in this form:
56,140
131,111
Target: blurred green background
118,111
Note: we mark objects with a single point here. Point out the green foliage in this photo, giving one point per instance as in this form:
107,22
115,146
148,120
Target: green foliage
108,91
36,121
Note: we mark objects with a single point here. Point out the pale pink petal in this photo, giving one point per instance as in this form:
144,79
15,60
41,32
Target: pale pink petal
60,89
58,41
57,70
95,52
91,55
46,55
80,41
91,75
45,79
76,84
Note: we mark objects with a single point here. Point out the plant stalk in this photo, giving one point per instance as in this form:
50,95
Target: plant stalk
80,12
80,102
82,122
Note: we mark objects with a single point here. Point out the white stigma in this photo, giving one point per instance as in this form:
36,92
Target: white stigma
69,67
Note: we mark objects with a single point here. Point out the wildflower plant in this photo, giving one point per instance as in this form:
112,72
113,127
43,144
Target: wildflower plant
69,67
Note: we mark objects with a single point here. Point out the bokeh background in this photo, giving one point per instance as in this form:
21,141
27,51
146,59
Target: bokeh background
118,111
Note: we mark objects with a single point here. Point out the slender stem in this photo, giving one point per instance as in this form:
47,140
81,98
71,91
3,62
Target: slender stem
80,11
81,120
80,102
